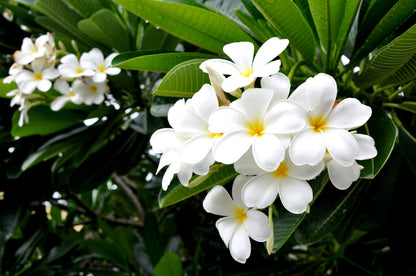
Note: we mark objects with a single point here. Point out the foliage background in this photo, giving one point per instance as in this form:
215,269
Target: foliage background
79,198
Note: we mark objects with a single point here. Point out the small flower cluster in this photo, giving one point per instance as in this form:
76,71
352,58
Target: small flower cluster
275,139
35,70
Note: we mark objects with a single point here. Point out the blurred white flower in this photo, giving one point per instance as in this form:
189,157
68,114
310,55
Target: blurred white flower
288,181
251,122
68,95
328,126
244,69
239,223
94,60
91,92
70,68
38,78
31,50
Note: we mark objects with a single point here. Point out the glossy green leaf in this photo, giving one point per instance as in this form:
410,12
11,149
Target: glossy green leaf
290,23
169,265
384,131
406,73
398,14
219,174
6,88
85,8
389,59
157,62
328,212
327,16
196,25
43,121
104,27
183,80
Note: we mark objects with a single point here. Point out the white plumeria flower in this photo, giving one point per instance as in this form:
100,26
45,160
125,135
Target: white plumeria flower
186,147
279,83
18,97
90,91
39,78
14,70
251,122
70,68
327,125
68,95
31,51
244,69
343,176
94,60
288,181
239,223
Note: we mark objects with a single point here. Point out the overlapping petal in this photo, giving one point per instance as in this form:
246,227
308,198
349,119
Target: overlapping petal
295,194
342,176
307,148
341,145
261,190
219,202
349,114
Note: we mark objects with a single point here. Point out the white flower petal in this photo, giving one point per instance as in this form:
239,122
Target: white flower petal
316,94
268,51
246,165
279,83
59,103
260,191
268,69
285,117
307,147
295,194
304,172
236,81
196,148
219,202
184,173
241,53
257,226
226,227
348,114
61,86
112,71
268,152
231,146
167,158
44,85
240,247
169,173
254,103
205,101
221,66
165,139
366,144
341,145
226,119
237,188
342,177
202,167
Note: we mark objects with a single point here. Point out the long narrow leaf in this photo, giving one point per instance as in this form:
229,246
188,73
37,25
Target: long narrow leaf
286,17
198,26
389,59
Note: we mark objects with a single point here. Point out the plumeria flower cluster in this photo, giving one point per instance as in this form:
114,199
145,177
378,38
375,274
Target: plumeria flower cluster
35,68
276,140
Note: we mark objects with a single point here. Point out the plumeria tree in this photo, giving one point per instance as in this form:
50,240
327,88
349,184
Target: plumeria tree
207,137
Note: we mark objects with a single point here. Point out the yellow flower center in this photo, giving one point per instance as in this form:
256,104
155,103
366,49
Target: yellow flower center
256,128
247,73
240,214
93,88
38,76
79,70
318,124
281,171
101,68
215,135
71,94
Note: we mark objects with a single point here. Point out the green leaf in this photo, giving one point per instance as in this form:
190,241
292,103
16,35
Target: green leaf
157,62
406,105
327,15
328,212
183,80
219,174
43,121
106,249
169,265
196,25
85,8
398,14
104,27
6,88
384,132
406,73
389,59
152,239
290,23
